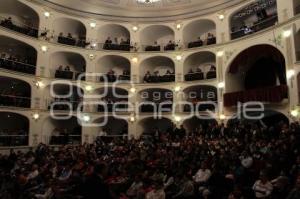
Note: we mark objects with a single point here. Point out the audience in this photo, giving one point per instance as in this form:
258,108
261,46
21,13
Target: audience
249,161
123,45
211,39
199,75
156,77
21,28
111,76
66,73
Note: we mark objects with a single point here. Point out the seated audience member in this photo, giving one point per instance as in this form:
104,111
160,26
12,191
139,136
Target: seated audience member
147,77
170,46
263,187
107,44
211,39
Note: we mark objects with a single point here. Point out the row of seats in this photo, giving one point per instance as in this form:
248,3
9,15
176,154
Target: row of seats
14,101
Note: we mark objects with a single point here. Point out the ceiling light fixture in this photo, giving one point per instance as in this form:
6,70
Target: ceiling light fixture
147,1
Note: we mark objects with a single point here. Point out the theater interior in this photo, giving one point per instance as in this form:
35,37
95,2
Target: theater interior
150,99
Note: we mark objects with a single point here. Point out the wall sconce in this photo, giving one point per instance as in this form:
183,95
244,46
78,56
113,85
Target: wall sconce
221,85
287,33
177,118
220,53
35,116
91,56
221,17
86,118
178,26
178,57
132,90
294,113
132,119
93,25
47,14
39,84
290,73
177,89
222,117
44,48
88,88
135,60
135,28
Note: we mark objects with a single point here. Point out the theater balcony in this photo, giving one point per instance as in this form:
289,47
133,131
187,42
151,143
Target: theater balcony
200,98
14,129
108,127
67,31
113,37
253,18
67,65
150,126
17,56
14,93
155,100
197,125
157,69
157,38
61,131
200,66
111,99
199,33
257,74
18,17
63,97
112,68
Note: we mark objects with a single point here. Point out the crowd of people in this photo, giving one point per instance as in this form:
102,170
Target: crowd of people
66,73
210,39
156,77
21,28
123,45
17,63
70,40
198,74
241,161
111,76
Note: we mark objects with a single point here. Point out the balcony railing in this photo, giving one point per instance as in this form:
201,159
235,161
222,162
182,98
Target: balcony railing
113,78
61,74
13,140
17,66
159,79
19,27
274,94
65,139
15,101
260,25
63,104
200,76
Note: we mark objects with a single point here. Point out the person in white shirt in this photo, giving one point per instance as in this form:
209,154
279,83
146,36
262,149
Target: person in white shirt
262,187
202,174
34,173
